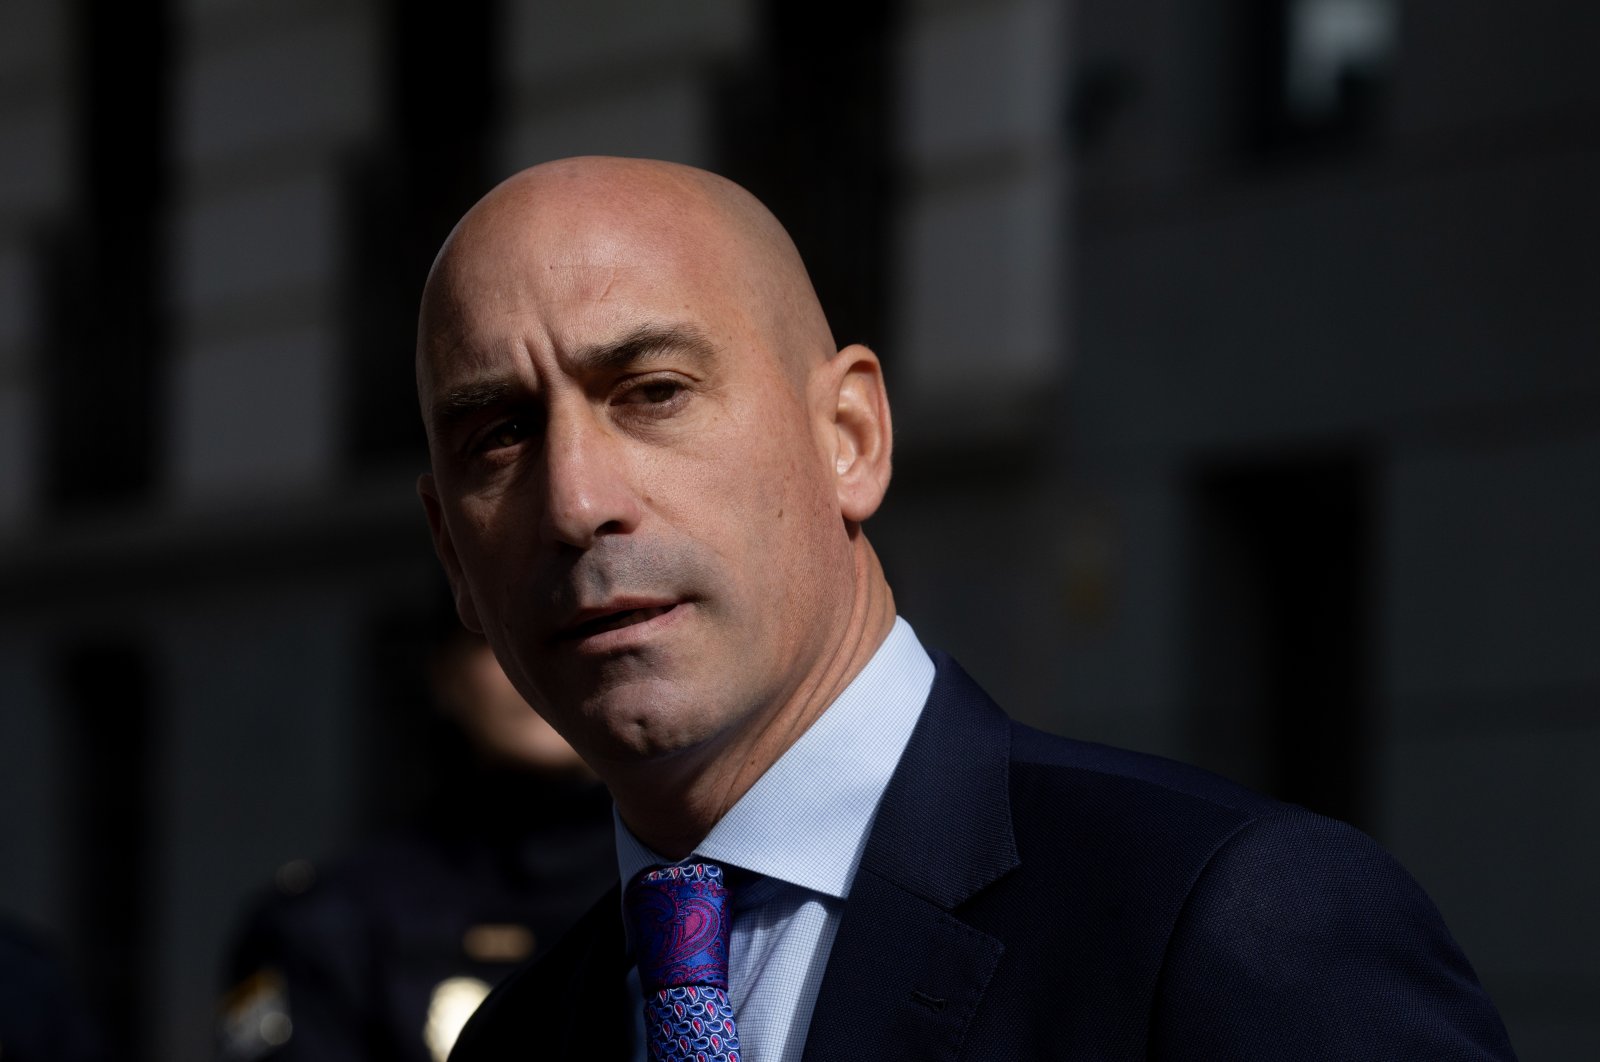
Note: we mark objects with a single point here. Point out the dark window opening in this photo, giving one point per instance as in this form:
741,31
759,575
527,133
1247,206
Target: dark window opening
107,701
431,165
105,325
407,743
1319,71
1280,628
805,123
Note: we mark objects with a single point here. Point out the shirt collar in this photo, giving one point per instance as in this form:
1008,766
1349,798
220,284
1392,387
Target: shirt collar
805,821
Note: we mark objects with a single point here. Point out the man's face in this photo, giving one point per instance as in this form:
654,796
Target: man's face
632,484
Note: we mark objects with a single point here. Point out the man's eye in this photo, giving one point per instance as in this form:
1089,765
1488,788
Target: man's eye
658,391
506,433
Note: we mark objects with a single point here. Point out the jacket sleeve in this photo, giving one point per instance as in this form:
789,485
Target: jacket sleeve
1302,939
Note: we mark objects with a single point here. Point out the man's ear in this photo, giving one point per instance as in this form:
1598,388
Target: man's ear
429,493
863,435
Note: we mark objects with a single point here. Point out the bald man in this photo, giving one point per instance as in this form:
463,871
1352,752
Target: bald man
651,466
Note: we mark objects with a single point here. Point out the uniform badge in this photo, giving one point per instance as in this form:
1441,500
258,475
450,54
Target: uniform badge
255,1018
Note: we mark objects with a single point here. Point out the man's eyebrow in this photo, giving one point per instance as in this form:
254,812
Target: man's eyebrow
643,344
460,403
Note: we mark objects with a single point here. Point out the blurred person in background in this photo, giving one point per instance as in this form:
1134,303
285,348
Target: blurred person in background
42,1017
385,953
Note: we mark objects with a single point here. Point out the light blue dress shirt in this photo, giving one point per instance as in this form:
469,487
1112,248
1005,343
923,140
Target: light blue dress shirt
803,827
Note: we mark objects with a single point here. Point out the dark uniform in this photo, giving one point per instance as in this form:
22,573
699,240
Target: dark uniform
385,954
41,1017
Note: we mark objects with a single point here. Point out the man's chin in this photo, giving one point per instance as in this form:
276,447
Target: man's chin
641,725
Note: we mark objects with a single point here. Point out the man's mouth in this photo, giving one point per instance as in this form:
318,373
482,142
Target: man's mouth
616,620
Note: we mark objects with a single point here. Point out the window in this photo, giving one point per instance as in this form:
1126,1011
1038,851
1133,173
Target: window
1335,50
1322,69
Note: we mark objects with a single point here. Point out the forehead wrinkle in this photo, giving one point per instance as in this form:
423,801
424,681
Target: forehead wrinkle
644,344
448,354
462,324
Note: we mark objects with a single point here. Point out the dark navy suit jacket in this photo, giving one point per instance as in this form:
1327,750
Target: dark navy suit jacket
1024,896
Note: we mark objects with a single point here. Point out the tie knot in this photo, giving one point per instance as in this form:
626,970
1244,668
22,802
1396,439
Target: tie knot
679,917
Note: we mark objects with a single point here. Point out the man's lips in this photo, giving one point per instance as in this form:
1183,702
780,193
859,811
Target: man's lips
592,621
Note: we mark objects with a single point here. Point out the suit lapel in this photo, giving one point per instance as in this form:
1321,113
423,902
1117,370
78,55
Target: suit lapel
906,975
571,1003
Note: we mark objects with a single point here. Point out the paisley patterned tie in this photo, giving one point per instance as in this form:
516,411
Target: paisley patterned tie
679,917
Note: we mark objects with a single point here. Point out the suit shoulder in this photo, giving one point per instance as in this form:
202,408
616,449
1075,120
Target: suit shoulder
1085,765
1133,811
1328,948
1183,815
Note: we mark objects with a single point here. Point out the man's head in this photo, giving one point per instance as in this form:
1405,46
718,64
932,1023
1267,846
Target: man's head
650,466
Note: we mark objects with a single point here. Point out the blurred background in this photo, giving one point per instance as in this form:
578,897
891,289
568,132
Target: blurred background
1245,358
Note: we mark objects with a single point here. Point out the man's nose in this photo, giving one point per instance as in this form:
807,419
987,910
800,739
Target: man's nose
588,491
